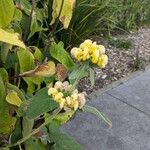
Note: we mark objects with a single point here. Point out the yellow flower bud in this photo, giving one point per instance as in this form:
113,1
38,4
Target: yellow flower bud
74,51
62,103
68,100
58,96
101,49
52,91
85,54
79,55
102,61
92,48
86,43
75,91
95,56
74,96
66,85
82,100
76,105
58,85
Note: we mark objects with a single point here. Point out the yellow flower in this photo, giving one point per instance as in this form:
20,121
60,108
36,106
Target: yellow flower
82,100
85,54
101,49
102,61
68,100
58,85
92,48
58,96
52,91
79,55
86,43
62,102
74,51
95,56
66,86
74,96
76,105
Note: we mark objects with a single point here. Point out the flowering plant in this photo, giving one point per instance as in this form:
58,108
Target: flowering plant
38,78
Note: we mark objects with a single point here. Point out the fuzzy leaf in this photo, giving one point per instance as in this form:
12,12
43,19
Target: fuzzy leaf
11,38
38,104
96,112
62,118
7,11
59,53
92,76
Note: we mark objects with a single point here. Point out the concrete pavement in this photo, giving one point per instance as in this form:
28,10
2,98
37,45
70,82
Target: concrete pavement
128,106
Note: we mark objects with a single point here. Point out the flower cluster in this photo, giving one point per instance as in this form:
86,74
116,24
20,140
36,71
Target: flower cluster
61,93
91,50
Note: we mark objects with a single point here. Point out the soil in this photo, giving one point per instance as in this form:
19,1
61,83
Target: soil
121,61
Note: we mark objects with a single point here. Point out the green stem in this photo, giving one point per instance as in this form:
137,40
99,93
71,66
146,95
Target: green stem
36,130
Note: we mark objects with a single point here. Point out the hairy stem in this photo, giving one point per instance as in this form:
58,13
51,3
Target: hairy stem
36,130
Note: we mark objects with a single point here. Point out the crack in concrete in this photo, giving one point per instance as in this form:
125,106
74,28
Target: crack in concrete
121,100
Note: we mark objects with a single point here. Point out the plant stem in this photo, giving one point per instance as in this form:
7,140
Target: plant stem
36,130
52,33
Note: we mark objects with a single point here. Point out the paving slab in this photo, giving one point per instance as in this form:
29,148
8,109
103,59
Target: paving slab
131,126
135,92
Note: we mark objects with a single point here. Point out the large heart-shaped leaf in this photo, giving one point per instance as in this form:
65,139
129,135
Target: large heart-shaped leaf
59,53
38,104
7,12
11,38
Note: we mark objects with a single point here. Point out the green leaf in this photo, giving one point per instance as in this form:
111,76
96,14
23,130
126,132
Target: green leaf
38,54
17,133
62,118
11,38
35,26
26,6
96,112
18,15
92,76
2,93
11,60
3,79
61,140
7,122
78,73
59,53
38,104
4,51
7,12
34,143
26,60
27,126
3,74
